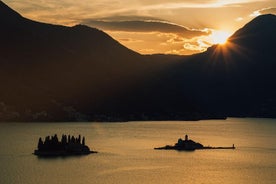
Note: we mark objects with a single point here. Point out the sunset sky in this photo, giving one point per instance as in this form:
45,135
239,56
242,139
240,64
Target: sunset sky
151,26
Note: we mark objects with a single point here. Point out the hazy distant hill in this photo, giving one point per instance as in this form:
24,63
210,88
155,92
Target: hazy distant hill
57,73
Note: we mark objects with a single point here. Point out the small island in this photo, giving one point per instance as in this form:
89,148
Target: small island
68,146
189,145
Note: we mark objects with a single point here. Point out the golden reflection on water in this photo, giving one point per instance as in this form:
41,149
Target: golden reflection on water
126,153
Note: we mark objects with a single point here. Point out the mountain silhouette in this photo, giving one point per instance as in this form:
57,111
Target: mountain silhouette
8,15
251,64
58,73
236,79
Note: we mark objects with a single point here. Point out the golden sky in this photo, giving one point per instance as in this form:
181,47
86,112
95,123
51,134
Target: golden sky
151,26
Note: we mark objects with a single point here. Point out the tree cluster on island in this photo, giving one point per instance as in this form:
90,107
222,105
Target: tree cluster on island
190,145
68,145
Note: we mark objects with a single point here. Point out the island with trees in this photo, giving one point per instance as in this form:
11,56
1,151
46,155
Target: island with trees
67,146
190,145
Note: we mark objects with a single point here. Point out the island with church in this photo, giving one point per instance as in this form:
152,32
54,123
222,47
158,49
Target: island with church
190,145
67,146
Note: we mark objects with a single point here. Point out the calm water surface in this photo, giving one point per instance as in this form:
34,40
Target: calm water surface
126,153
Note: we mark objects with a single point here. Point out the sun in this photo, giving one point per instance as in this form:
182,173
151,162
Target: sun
220,37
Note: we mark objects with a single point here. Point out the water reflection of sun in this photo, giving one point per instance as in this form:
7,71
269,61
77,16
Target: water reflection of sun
219,37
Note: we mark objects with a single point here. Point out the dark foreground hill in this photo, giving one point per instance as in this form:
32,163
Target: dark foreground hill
57,73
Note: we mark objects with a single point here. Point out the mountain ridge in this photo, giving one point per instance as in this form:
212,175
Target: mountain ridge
240,73
6,11
58,73
66,72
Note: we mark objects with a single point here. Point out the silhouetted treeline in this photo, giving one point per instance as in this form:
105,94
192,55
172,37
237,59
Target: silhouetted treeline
67,144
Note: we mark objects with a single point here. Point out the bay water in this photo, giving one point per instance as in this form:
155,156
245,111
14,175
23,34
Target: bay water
126,155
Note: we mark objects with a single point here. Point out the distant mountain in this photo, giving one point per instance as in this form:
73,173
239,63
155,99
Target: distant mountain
236,79
58,73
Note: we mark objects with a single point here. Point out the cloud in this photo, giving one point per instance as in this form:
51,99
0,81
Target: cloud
135,25
71,12
145,26
270,10
251,15
151,35
130,40
179,4
157,42
197,44
239,19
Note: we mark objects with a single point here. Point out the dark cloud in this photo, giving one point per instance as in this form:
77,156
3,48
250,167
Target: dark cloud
144,26
119,18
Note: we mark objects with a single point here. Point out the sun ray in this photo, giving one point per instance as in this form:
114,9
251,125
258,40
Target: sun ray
224,54
219,37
